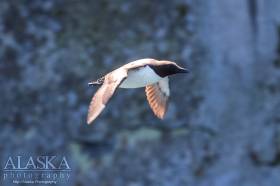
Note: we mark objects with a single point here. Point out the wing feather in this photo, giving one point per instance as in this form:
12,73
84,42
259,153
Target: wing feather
104,93
157,96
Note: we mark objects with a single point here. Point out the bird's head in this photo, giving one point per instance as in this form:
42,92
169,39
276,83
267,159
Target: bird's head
167,68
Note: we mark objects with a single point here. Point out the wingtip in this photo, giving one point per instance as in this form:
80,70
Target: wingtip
161,117
89,121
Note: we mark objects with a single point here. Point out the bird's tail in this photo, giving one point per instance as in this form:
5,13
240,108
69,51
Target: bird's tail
94,83
97,82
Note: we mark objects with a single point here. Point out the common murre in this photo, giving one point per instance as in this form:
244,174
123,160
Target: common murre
150,73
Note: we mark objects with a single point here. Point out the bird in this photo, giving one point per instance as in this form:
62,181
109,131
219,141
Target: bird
149,73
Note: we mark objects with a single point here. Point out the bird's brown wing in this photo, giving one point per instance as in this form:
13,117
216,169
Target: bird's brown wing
157,96
104,93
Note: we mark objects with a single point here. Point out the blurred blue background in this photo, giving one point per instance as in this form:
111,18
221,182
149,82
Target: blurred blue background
223,124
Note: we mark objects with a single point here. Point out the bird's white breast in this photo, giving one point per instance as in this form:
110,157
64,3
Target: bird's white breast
140,77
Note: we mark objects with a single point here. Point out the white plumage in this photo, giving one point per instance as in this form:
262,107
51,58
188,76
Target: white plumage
140,77
150,73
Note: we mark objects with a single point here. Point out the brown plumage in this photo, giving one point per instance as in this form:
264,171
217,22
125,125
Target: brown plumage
150,73
104,93
157,96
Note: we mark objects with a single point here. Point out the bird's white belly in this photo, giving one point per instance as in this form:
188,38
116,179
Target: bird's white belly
140,78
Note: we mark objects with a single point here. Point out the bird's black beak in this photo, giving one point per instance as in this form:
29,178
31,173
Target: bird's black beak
183,70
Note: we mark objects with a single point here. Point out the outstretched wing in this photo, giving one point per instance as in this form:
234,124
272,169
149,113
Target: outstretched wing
157,96
104,93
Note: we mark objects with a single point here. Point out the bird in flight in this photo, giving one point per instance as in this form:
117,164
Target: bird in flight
149,73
